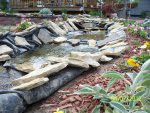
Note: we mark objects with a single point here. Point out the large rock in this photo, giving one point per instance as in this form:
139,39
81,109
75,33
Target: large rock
85,57
32,84
36,39
45,37
4,49
4,58
74,41
105,59
25,67
60,39
20,41
39,73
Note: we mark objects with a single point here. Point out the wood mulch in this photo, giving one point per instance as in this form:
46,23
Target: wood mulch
64,97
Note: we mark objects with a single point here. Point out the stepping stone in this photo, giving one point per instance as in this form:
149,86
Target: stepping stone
60,39
4,58
92,43
36,39
4,49
20,41
45,37
74,41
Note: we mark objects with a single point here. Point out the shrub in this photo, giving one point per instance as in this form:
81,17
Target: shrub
95,13
45,11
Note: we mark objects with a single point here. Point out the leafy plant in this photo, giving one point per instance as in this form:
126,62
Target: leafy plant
4,4
139,86
143,57
24,25
95,13
45,11
142,33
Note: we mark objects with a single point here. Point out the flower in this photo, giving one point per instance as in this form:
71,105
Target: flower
132,62
147,44
58,111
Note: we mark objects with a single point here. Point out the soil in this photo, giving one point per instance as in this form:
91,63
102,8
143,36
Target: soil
64,97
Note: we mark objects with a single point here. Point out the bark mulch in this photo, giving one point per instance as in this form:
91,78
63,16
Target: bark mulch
65,99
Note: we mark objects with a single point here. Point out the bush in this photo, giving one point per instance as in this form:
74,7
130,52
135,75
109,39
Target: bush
95,13
45,11
3,5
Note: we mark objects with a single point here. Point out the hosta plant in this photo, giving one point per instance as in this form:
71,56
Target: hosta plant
138,88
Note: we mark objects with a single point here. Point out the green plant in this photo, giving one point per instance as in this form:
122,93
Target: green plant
64,11
4,5
95,13
45,11
137,87
24,25
143,57
142,33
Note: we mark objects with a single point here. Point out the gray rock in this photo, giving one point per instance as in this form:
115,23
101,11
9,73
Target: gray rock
21,41
4,49
60,39
1,34
4,58
36,39
45,37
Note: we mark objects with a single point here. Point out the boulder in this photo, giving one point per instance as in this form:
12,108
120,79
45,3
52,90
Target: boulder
60,39
39,73
92,43
45,37
36,39
32,84
1,34
4,49
4,58
25,67
72,25
20,41
74,41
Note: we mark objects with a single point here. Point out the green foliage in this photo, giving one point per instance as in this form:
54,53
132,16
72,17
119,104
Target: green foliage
4,5
142,33
95,13
45,11
64,11
143,57
24,25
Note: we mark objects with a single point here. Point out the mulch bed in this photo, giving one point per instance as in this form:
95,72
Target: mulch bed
65,99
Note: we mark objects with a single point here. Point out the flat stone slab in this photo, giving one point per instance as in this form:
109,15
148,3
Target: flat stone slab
74,41
4,58
20,41
45,37
36,39
4,49
60,39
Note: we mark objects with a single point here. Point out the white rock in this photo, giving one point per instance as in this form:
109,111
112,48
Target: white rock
36,39
60,39
105,59
4,58
92,43
74,41
32,84
4,49
39,73
21,41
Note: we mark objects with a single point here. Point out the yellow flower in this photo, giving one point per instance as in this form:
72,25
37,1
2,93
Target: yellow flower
58,111
147,44
132,62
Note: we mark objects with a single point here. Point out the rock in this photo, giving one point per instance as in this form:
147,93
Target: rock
45,37
31,27
32,84
105,59
116,51
85,57
71,62
36,39
60,39
20,41
39,73
92,43
72,25
114,45
4,58
74,41
25,67
21,33
1,34
4,49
